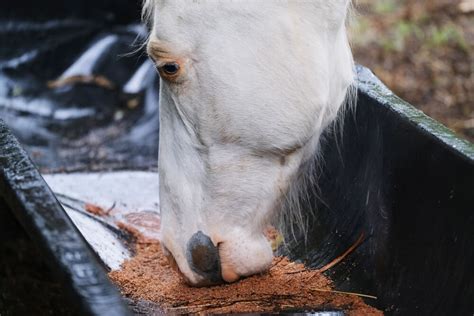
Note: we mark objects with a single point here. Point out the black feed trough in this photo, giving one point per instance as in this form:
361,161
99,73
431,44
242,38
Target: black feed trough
389,172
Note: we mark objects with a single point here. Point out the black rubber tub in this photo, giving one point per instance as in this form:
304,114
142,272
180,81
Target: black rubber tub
407,183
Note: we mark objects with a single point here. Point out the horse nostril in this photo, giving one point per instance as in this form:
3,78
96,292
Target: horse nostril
203,257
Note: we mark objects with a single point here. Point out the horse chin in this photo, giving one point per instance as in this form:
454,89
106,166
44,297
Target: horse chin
241,257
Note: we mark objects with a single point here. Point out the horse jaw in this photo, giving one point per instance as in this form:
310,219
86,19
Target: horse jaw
246,110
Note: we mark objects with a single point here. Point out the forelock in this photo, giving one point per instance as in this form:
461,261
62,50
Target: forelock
147,11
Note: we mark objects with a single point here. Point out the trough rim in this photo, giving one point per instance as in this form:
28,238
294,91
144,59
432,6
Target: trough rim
369,84
43,218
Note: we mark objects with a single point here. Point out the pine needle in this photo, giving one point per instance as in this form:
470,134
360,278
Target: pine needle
343,256
346,293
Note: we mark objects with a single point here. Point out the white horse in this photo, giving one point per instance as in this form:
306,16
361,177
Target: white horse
247,88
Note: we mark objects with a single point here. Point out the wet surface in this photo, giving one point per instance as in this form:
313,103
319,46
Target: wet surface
79,94
100,204
27,283
24,194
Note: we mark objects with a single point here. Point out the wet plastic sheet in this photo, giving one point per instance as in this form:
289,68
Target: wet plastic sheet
75,87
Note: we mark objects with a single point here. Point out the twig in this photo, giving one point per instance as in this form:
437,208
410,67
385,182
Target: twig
269,298
298,271
277,263
333,262
110,209
100,81
191,307
343,256
261,300
215,305
346,293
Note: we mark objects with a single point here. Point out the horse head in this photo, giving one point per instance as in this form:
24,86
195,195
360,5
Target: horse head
247,88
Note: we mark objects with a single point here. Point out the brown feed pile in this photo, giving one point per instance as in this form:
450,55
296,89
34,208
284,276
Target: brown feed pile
286,286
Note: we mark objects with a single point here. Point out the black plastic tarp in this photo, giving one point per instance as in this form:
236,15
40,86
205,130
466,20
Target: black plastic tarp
75,86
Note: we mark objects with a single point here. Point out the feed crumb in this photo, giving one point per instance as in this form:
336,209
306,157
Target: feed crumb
95,210
286,286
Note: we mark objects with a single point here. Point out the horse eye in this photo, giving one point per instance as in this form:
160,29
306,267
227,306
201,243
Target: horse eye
170,69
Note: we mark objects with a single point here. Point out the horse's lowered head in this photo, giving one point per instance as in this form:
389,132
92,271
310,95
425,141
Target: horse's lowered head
247,87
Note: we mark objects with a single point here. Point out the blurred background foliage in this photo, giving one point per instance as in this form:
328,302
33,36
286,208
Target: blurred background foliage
423,51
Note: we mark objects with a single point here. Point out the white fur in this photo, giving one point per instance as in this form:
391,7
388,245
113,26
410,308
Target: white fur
262,80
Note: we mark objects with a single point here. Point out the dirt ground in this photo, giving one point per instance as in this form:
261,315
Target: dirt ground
423,51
